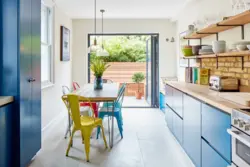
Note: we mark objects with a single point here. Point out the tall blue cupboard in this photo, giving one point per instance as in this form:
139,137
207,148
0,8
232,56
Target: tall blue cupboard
20,75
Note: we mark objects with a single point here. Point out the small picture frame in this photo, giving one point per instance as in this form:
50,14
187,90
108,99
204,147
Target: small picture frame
65,44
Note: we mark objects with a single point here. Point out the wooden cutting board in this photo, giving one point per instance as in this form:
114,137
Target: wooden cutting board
240,98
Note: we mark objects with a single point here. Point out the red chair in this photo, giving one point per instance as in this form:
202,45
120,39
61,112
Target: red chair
82,104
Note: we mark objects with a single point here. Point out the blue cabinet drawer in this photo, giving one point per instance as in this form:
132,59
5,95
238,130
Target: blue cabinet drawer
178,102
5,135
192,129
178,127
169,96
169,118
214,129
210,158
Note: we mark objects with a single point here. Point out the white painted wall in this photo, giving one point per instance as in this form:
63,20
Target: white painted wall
198,10
52,105
82,27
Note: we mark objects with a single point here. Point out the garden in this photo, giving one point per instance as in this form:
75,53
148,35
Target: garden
126,61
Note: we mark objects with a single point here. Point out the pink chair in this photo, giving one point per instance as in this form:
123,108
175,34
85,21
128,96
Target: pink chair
82,104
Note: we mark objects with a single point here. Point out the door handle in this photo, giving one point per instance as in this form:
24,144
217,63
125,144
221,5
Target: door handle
31,80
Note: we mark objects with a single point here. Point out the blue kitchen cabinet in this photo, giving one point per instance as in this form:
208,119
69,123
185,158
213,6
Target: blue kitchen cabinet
20,75
177,103
210,158
178,127
169,118
162,102
192,128
169,96
214,130
5,135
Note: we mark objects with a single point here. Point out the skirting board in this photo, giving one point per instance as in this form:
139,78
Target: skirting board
53,122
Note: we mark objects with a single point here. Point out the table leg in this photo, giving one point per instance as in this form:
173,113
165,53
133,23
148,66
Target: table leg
112,125
108,124
68,130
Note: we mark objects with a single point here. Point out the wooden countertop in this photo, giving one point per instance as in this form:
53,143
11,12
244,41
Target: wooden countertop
206,95
6,100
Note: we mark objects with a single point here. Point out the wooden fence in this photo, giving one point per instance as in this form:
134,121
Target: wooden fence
122,72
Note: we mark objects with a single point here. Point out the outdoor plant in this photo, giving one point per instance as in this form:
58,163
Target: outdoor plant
138,78
124,49
98,66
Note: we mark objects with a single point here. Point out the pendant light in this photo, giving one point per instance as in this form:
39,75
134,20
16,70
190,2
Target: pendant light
102,51
94,47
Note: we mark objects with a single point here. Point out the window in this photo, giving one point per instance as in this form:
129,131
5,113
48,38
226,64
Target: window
46,46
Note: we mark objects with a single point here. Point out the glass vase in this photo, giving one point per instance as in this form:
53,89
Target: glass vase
98,84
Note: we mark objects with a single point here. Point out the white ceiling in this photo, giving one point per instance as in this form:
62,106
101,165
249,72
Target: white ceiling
122,8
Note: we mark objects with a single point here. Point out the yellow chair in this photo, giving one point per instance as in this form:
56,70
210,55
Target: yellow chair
85,124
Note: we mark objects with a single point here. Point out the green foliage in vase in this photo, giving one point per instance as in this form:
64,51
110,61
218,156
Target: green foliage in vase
98,66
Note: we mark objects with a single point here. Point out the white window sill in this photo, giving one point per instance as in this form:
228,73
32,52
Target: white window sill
47,85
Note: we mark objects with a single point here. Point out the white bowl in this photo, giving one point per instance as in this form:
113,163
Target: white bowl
219,50
219,43
248,46
242,43
219,46
207,47
241,47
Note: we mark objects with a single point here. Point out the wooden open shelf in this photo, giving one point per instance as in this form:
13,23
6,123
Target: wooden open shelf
207,56
240,19
231,22
235,54
227,54
200,56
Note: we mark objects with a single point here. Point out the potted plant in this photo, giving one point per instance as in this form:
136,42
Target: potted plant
98,66
138,78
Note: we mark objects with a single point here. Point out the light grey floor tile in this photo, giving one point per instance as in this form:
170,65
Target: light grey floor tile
147,142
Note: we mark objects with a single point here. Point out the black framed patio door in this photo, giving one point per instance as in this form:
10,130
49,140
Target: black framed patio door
152,71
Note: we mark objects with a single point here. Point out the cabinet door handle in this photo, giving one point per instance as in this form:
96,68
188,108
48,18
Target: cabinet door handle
31,80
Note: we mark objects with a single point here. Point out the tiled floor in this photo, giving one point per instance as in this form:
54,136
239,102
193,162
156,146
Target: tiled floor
147,143
129,101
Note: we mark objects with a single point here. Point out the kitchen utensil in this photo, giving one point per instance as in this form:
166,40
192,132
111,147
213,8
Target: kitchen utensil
242,43
195,49
205,51
186,46
221,84
191,27
206,47
241,98
241,47
187,52
248,46
219,46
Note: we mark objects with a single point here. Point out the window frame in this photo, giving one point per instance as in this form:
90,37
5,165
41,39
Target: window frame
50,44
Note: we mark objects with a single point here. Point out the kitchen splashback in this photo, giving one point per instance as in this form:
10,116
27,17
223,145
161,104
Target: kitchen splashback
231,67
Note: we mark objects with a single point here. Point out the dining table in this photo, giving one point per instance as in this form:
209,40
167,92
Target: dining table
108,94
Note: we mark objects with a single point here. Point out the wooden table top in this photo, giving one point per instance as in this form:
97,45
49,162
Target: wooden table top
108,93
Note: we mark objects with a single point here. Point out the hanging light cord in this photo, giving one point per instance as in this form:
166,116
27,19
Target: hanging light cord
95,42
102,28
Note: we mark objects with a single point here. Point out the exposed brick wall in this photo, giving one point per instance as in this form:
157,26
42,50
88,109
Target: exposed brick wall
229,66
